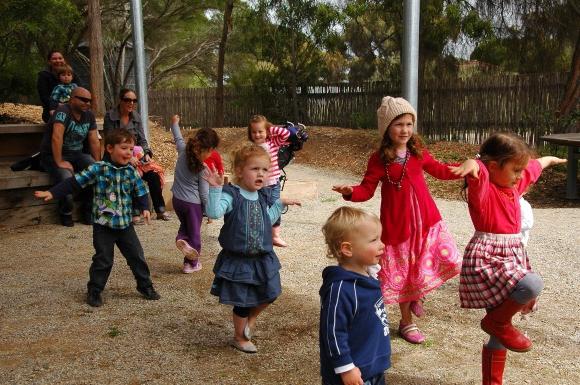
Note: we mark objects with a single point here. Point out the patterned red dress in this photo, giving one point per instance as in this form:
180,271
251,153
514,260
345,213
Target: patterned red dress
420,254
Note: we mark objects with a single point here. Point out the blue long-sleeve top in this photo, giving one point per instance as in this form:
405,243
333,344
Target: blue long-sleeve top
354,328
221,203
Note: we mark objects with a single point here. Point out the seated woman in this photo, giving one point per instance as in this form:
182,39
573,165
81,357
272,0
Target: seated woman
126,116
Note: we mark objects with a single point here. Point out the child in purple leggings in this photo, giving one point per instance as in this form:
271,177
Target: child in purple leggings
190,190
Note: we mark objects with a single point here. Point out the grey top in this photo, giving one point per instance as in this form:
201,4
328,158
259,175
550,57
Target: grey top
187,186
113,121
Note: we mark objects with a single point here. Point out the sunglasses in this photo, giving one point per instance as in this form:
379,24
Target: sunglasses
129,100
84,100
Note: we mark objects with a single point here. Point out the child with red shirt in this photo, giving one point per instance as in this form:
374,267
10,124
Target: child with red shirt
420,254
496,273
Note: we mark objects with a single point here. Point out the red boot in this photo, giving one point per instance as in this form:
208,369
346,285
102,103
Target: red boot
492,365
498,323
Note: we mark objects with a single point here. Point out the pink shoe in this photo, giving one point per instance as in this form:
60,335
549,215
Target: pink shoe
195,265
188,251
411,333
417,308
187,268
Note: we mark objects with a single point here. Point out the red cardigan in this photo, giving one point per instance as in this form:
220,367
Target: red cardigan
396,204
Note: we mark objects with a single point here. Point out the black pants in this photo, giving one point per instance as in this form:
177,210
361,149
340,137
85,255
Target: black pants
104,241
79,161
155,190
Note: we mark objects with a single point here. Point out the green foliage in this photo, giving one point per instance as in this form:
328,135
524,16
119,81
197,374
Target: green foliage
29,29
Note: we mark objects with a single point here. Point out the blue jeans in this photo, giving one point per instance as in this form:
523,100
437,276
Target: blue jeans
378,379
79,161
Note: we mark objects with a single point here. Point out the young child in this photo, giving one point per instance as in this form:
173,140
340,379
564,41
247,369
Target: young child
115,183
355,346
190,190
146,166
420,254
265,134
61,93
247,269
496,273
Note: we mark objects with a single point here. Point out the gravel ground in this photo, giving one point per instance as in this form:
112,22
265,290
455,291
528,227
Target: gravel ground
50,336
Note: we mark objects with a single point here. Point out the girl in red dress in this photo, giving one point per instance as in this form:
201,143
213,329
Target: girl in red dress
420,254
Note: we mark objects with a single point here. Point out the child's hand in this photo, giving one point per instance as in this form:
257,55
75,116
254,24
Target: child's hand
549,161
469,167
46,195
213,177
343,189
290,202
175,120
352,377
147,216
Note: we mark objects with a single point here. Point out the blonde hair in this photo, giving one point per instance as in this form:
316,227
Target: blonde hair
242,154
340,225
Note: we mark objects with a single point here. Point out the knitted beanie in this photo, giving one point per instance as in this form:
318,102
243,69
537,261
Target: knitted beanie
391,108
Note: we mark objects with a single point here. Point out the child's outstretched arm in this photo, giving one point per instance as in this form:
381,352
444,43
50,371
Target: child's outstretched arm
218,203
275,210
365,191
176,131
468,168
549,161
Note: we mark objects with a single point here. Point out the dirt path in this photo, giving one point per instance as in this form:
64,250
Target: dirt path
49,336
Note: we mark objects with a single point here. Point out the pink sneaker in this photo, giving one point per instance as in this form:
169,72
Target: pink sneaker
191,266
188,251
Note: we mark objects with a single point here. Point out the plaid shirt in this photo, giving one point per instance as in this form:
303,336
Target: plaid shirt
61,94
114,188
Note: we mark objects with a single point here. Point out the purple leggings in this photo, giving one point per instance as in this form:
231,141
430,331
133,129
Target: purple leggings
190,217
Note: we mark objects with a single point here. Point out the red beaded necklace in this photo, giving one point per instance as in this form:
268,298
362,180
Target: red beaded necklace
398,183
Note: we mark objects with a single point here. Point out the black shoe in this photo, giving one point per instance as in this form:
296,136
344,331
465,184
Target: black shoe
149,293
67,220
94,298
88,218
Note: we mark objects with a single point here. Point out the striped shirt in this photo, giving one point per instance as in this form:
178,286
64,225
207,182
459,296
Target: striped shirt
278,137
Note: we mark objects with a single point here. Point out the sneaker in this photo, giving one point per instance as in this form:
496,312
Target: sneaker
94,298
191,266
186,249
149,293
67,220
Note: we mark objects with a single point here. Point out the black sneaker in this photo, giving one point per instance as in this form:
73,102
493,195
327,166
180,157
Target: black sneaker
149,293
94,298
88,219
67,220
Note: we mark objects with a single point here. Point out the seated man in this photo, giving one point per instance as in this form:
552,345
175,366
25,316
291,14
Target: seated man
61,150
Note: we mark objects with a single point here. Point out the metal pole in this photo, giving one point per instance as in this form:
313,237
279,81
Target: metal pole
140,72
410,64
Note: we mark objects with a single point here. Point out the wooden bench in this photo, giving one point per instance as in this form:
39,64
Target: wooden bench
17,203
572,141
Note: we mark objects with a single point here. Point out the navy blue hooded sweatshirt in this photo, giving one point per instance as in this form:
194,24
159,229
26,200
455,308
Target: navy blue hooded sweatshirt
354,328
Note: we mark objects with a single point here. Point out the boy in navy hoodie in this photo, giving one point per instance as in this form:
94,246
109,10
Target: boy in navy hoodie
355,347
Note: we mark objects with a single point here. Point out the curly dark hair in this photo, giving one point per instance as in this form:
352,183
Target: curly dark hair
204,139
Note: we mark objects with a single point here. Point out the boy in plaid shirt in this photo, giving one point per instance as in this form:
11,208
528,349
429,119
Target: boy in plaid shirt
115,183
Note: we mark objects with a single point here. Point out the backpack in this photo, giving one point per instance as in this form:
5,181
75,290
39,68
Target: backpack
298,136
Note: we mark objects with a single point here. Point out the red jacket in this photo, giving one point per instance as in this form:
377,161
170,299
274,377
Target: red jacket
396,204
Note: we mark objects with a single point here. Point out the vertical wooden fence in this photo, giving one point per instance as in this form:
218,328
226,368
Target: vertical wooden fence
449,109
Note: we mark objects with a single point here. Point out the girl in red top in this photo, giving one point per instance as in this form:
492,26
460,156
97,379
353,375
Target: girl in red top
420,254
496,273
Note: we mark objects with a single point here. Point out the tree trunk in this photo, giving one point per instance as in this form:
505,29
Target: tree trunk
96,56
219,92
570,100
